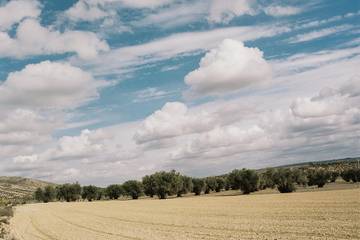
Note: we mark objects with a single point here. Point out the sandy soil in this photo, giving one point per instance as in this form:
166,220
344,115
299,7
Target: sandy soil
303,215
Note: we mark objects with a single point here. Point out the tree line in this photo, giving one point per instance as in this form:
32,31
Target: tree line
164,184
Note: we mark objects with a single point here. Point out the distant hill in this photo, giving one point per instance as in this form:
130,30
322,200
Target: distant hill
333,164
325,162
18,188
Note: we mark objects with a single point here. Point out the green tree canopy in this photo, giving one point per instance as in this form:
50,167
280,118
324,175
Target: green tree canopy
39,195
114,191
89,192
133,188
246,180
198,185
284,180
149,185
68,192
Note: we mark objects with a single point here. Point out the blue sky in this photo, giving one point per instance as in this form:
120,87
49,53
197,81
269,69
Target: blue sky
103,91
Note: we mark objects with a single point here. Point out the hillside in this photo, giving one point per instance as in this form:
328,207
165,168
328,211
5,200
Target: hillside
17,188
346,161
333,164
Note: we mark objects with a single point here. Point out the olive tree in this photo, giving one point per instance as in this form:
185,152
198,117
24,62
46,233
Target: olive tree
114,191
300,176
352,174
133,188
39,195
49,194
334,175
187,186
266,179
89,192
198,185
246,180
100,193
220,184
167,184
210,184
284,180
149,185
318,177
68,192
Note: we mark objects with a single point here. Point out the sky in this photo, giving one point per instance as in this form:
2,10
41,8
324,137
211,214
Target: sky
103,91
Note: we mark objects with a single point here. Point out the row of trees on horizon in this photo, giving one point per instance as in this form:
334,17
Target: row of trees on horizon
164,184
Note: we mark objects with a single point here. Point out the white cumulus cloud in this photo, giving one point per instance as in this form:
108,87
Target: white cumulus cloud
87,144
309,107
33,39
48,85
17,10
229,67
329,101
83,11
171,121
224,11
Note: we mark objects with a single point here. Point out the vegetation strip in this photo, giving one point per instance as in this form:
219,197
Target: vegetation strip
165,184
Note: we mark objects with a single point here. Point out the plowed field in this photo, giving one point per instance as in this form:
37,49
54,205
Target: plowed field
304,215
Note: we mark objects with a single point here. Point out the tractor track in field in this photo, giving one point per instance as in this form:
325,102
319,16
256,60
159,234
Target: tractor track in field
95,230
243,220
155,224
38,229
183,227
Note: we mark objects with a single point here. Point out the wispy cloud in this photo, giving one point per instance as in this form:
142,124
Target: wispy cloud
119,60
279,11
150,94
316,23
319,34
175,15
303,62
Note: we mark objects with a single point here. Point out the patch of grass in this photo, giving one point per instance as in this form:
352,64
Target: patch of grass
6,211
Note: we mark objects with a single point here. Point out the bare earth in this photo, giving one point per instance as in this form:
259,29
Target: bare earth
304,215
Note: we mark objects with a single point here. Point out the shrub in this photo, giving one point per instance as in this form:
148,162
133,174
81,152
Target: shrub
318,177
6,211
284,180
133,188
198,185
114,191
246,180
